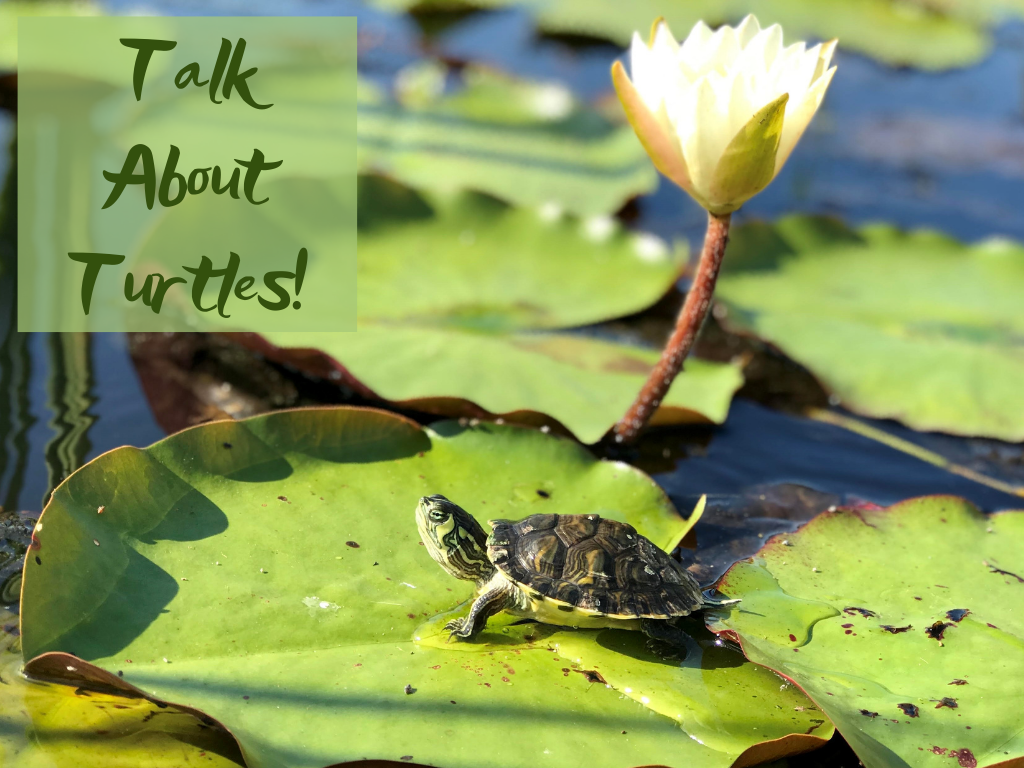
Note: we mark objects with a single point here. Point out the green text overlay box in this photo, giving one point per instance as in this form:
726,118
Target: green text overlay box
204,185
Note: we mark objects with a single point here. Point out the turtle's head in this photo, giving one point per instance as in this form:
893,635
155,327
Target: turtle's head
453,538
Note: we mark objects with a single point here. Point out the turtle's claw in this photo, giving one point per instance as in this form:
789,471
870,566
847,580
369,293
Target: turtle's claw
454,627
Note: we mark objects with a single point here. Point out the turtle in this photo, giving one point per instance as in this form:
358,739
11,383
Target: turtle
580,571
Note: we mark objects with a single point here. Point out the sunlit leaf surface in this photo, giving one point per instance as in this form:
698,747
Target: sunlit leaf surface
905,625
269,573
915,327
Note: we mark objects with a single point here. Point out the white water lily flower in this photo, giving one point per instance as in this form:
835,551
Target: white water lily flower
720,113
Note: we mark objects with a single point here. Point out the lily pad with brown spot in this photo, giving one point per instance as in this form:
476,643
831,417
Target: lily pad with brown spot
881,562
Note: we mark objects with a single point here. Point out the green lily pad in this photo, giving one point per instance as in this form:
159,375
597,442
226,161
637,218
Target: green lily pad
532,144
555,379
933,35
269,573
46,725
915,327
463,303
10,11
905,625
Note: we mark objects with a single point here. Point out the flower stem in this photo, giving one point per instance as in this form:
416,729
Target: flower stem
691,316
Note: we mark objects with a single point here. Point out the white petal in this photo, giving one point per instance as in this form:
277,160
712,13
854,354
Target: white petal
747,30
796,123
825,59
722,50
693,46
664,42
645,75
703,141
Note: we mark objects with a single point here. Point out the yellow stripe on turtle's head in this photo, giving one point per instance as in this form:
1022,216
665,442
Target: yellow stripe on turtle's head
453,538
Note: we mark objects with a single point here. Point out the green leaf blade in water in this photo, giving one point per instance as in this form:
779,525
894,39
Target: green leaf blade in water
914,327
273,579
898,624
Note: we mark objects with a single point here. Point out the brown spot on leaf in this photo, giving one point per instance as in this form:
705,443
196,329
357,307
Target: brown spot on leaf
896,630
939,750
965,757
352,544
847,626
852,610
946,702
937,630
1001,572
958,681
283,498
543,494
592,675
908,709
868,713
957,614
792,638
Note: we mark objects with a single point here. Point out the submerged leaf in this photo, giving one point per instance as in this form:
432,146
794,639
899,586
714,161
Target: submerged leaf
904,625
269,573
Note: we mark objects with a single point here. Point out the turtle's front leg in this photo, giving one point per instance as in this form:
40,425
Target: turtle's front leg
489,603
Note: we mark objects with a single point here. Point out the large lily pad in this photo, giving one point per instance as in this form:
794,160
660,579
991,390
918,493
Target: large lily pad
905,625
453,294
915,327
269,573
932,35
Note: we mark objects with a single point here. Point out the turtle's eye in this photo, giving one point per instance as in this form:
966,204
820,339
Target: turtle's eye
438,515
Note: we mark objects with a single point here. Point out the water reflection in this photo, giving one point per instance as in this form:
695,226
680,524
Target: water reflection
64,398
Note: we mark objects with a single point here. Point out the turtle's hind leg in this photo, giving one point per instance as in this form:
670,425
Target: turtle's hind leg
492,601
665,636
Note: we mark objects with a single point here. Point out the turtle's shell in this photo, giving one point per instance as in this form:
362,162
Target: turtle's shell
595,565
